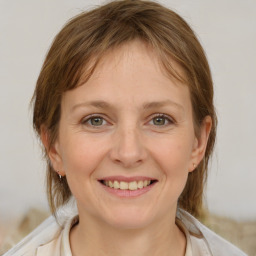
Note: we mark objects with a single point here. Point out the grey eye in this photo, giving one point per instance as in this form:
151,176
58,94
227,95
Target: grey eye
159,120
96,121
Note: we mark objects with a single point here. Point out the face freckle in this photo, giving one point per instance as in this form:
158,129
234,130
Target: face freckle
120,139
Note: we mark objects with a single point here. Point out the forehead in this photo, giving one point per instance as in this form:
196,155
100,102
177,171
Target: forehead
133,70
132,51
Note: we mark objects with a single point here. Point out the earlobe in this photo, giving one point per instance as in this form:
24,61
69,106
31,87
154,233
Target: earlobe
52,151
201,143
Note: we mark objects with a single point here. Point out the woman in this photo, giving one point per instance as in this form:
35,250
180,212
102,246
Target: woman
124,108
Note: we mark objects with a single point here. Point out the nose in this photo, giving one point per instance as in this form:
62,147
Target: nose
128,148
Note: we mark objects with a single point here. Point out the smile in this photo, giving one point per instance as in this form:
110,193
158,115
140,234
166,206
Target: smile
127,187
123,185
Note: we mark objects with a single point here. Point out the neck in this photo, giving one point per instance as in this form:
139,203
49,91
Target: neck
96,239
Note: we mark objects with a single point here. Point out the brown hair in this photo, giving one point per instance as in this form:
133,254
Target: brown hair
81,44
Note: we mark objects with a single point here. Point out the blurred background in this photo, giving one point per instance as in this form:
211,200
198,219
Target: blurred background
227,31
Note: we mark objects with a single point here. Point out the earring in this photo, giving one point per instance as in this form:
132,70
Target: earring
194,165
59,175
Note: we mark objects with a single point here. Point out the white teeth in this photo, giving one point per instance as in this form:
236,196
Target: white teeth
110,183
133,185
124,185
140,184
116,184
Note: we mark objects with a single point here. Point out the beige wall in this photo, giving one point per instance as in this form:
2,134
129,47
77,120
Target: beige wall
227,31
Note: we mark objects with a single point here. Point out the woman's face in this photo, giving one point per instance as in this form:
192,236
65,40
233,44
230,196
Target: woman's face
130,126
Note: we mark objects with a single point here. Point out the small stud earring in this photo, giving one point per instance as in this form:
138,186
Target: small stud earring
194,165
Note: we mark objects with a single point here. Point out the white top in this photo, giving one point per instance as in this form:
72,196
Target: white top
51,238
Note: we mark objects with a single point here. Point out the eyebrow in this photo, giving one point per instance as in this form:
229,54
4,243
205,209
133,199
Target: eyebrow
157,104
98,104
147,105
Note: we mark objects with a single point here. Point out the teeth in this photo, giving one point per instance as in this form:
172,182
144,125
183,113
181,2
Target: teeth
140,184
111,184
124,185
133,185
116,184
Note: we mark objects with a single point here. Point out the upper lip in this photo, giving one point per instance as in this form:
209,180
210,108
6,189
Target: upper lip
126,179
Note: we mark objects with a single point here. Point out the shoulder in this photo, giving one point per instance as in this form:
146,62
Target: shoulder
46,235
216,244
43,234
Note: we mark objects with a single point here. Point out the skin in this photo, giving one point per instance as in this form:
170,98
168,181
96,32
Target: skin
130,141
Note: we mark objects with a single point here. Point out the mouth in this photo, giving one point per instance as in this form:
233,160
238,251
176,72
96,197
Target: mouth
132,185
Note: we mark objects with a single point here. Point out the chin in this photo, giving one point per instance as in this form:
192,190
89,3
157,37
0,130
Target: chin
128,219
128,223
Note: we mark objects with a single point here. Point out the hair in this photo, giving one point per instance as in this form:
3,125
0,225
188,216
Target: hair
82,43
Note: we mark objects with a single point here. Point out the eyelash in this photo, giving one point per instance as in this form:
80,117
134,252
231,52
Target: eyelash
94,116
166,117
90,117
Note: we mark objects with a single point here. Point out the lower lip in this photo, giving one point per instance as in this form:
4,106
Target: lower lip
125,193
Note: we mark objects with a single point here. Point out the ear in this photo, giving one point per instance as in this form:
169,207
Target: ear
52,151
200,143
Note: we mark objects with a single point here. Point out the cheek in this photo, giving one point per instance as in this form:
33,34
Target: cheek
81,155
174,156
73,160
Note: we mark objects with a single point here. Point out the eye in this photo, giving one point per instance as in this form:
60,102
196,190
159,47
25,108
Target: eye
94,121
161,120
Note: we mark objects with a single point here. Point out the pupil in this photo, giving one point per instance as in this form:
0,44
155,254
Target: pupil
96,121
159,121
